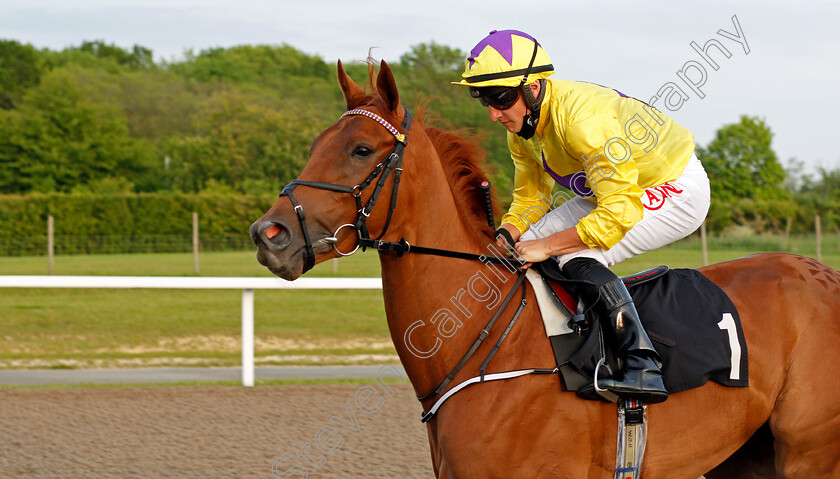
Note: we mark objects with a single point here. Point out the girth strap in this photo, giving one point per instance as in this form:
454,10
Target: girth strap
481,336
428,415
522,303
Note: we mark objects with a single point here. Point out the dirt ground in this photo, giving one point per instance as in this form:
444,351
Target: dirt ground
210,432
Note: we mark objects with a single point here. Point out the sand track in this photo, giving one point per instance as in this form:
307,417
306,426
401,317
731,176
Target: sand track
210,432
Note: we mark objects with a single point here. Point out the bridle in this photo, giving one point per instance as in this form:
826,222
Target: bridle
392,162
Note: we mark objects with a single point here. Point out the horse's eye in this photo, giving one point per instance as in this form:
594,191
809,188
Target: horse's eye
362,152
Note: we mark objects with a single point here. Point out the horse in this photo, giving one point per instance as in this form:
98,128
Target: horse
785,424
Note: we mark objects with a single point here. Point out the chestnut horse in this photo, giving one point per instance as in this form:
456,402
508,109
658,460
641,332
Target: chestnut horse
785,424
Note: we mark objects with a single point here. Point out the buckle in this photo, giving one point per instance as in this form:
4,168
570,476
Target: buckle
634,415
406,247
377,170
579,325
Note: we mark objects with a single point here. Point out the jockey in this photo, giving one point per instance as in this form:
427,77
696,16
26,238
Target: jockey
637,184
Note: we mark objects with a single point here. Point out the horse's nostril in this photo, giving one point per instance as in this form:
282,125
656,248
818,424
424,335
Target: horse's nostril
278,235
268,233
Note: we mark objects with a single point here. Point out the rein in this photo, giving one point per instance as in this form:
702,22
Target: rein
393,162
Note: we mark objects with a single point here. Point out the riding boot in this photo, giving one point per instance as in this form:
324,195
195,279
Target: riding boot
641,376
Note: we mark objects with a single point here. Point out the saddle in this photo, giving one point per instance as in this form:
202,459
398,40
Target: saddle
693,324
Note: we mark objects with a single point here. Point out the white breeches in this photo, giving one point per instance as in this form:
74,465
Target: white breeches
672,211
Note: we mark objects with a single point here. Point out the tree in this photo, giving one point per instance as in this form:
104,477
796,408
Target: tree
742,164
62,137
19,70
139,57
433,58
240,117
252,64
826,188
747,180
240,142
820,195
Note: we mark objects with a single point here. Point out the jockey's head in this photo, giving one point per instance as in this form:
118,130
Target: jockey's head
504,67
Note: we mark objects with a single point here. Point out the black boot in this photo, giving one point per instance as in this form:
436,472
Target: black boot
641,375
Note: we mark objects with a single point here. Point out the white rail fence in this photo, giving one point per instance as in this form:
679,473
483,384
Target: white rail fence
247,285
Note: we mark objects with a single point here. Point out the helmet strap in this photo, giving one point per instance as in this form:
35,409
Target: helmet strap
530,120
530,66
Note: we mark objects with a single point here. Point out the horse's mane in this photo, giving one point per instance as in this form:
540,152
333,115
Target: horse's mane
460,157
461,160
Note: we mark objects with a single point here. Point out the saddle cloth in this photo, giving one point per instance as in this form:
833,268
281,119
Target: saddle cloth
693,324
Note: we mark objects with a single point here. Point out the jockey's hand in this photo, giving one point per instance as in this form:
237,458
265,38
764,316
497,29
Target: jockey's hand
502,241
563,242
533,251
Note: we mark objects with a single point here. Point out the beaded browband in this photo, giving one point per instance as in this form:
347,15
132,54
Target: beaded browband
373,116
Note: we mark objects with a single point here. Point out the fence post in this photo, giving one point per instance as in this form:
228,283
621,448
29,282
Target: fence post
786,244
703,243
819,236
195,242
248,337
335,266
50,243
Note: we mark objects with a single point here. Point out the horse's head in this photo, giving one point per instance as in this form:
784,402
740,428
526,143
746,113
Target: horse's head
352,164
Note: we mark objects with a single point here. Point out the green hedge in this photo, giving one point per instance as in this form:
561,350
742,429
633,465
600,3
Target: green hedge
127,222
87,223
771,216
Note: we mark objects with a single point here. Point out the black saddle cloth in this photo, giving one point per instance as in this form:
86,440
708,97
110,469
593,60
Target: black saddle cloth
693,324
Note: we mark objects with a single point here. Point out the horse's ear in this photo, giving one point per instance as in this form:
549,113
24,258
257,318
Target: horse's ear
387,87
353,93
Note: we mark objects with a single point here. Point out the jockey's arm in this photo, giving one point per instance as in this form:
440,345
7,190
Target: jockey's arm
562,242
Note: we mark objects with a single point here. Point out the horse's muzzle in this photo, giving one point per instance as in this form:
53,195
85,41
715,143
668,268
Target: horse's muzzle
273,240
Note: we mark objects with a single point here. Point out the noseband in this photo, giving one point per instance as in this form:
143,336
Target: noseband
392,162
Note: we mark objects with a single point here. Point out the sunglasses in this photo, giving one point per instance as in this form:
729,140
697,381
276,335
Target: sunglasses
500,99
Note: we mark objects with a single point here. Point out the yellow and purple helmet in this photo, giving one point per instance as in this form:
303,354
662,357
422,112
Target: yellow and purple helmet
506,58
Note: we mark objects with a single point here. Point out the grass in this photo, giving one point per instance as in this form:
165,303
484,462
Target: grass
103,328
96,325
113,324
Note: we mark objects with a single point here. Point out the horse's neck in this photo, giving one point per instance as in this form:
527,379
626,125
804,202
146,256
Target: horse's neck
430,301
